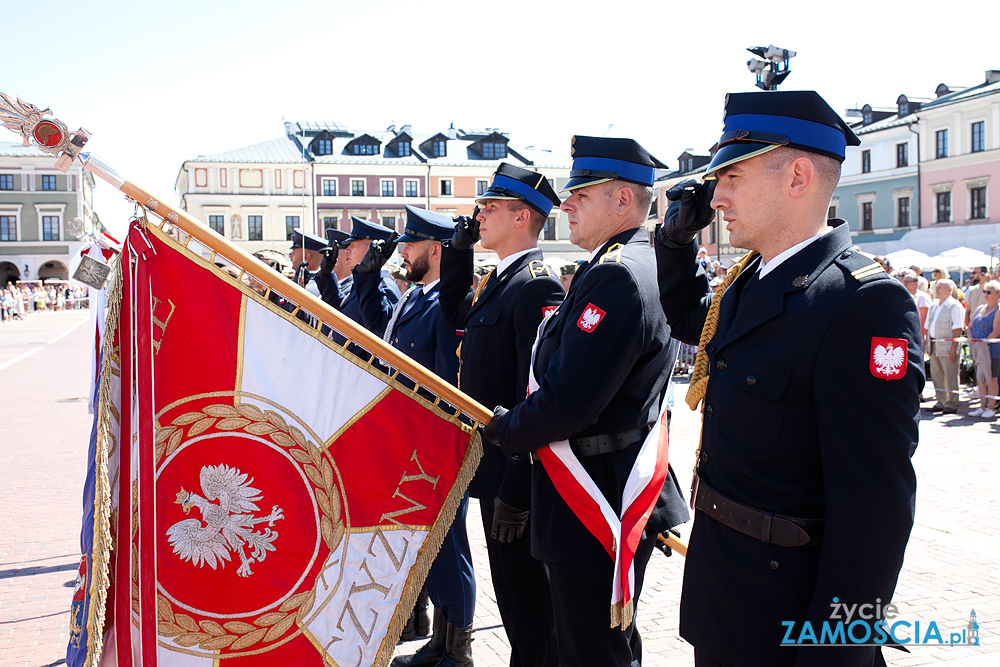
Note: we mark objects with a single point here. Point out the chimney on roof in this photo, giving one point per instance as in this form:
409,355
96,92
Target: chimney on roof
288,129
992,75
391,128
452,133
407,129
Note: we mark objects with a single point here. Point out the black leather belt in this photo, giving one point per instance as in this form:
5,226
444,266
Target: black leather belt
785,531
592,445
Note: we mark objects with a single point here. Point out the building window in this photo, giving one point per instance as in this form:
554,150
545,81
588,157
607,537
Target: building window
255,228
8,228
6,181
389,221
357,187
365,149
902,155
439,148
867,219
324,147
217,223
494,150
388,188
978,136
291,222
481,186
867,118
329,223
549,231
410,188
941,141
943,205
866,161
48,182
903,212
445,187
832,212
977,203
50,228
402,148
329,187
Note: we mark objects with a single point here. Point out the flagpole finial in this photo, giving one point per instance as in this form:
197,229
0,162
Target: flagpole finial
50,135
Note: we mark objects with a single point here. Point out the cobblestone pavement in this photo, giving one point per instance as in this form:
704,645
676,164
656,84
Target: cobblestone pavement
951,564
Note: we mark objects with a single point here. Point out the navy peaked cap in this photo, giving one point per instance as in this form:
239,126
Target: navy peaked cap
599,159
335,236
362,229
423,225
304,239
510,182
759,122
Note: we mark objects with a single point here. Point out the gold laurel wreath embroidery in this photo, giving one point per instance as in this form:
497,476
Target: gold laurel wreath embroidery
238,635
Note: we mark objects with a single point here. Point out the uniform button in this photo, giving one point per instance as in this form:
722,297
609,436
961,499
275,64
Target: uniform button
845,254
709,411
720,365
704,457
775,565
751,380
411,344
482,319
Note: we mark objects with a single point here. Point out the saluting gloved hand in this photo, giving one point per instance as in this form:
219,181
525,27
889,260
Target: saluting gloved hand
492,430
690,211
330,255
466,232
508,522
377,255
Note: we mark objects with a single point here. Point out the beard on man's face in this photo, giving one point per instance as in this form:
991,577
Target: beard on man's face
417,268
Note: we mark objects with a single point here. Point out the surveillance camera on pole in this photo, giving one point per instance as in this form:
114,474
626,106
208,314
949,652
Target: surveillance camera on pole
773,69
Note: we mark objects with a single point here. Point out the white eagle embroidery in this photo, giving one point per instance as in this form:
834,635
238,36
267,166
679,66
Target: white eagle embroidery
590,319
228,525
888,360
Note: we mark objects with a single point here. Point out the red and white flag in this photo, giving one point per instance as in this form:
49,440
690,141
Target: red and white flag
286,499
618,534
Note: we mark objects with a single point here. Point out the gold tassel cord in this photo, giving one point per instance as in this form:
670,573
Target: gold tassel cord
699,374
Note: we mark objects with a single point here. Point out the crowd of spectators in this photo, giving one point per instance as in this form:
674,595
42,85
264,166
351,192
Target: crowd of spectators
19,301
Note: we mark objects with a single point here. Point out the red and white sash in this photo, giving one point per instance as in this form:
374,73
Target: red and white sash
619,535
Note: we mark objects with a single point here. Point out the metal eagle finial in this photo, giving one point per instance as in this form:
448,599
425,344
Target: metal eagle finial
50,135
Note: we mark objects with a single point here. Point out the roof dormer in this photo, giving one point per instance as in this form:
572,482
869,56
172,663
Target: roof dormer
366,144
322,144
491,147
400,146
436,146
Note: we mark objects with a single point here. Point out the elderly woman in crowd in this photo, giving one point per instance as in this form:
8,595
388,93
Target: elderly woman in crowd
985,324
945,321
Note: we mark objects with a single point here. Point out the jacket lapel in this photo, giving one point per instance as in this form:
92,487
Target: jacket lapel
496,281
740,313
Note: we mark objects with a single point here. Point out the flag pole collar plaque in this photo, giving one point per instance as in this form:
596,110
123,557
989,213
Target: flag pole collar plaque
50,135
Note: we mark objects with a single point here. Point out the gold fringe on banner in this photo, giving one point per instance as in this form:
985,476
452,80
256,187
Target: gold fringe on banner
101,550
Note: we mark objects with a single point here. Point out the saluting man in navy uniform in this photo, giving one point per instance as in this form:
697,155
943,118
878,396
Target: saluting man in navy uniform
356,246
417,328
804,489
306,258
334,270
500,319
601,364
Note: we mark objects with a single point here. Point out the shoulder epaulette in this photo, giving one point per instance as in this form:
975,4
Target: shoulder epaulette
861,267
539,268
613,254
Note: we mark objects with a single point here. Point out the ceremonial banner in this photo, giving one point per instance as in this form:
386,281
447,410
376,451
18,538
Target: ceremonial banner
287,498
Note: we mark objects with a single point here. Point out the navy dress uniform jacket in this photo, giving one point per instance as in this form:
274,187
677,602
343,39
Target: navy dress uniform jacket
332,290
383,297
796,423
420,331
496,349
607,380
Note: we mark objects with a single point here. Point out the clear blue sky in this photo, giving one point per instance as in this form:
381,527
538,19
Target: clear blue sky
158,83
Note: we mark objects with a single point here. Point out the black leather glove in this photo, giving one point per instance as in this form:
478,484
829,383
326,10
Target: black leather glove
302,274
466,232
330,255
377,255
662,546
492,430
690,212
508,522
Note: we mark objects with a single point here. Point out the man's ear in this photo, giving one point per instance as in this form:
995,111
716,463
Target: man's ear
523,218
626,199
802,174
